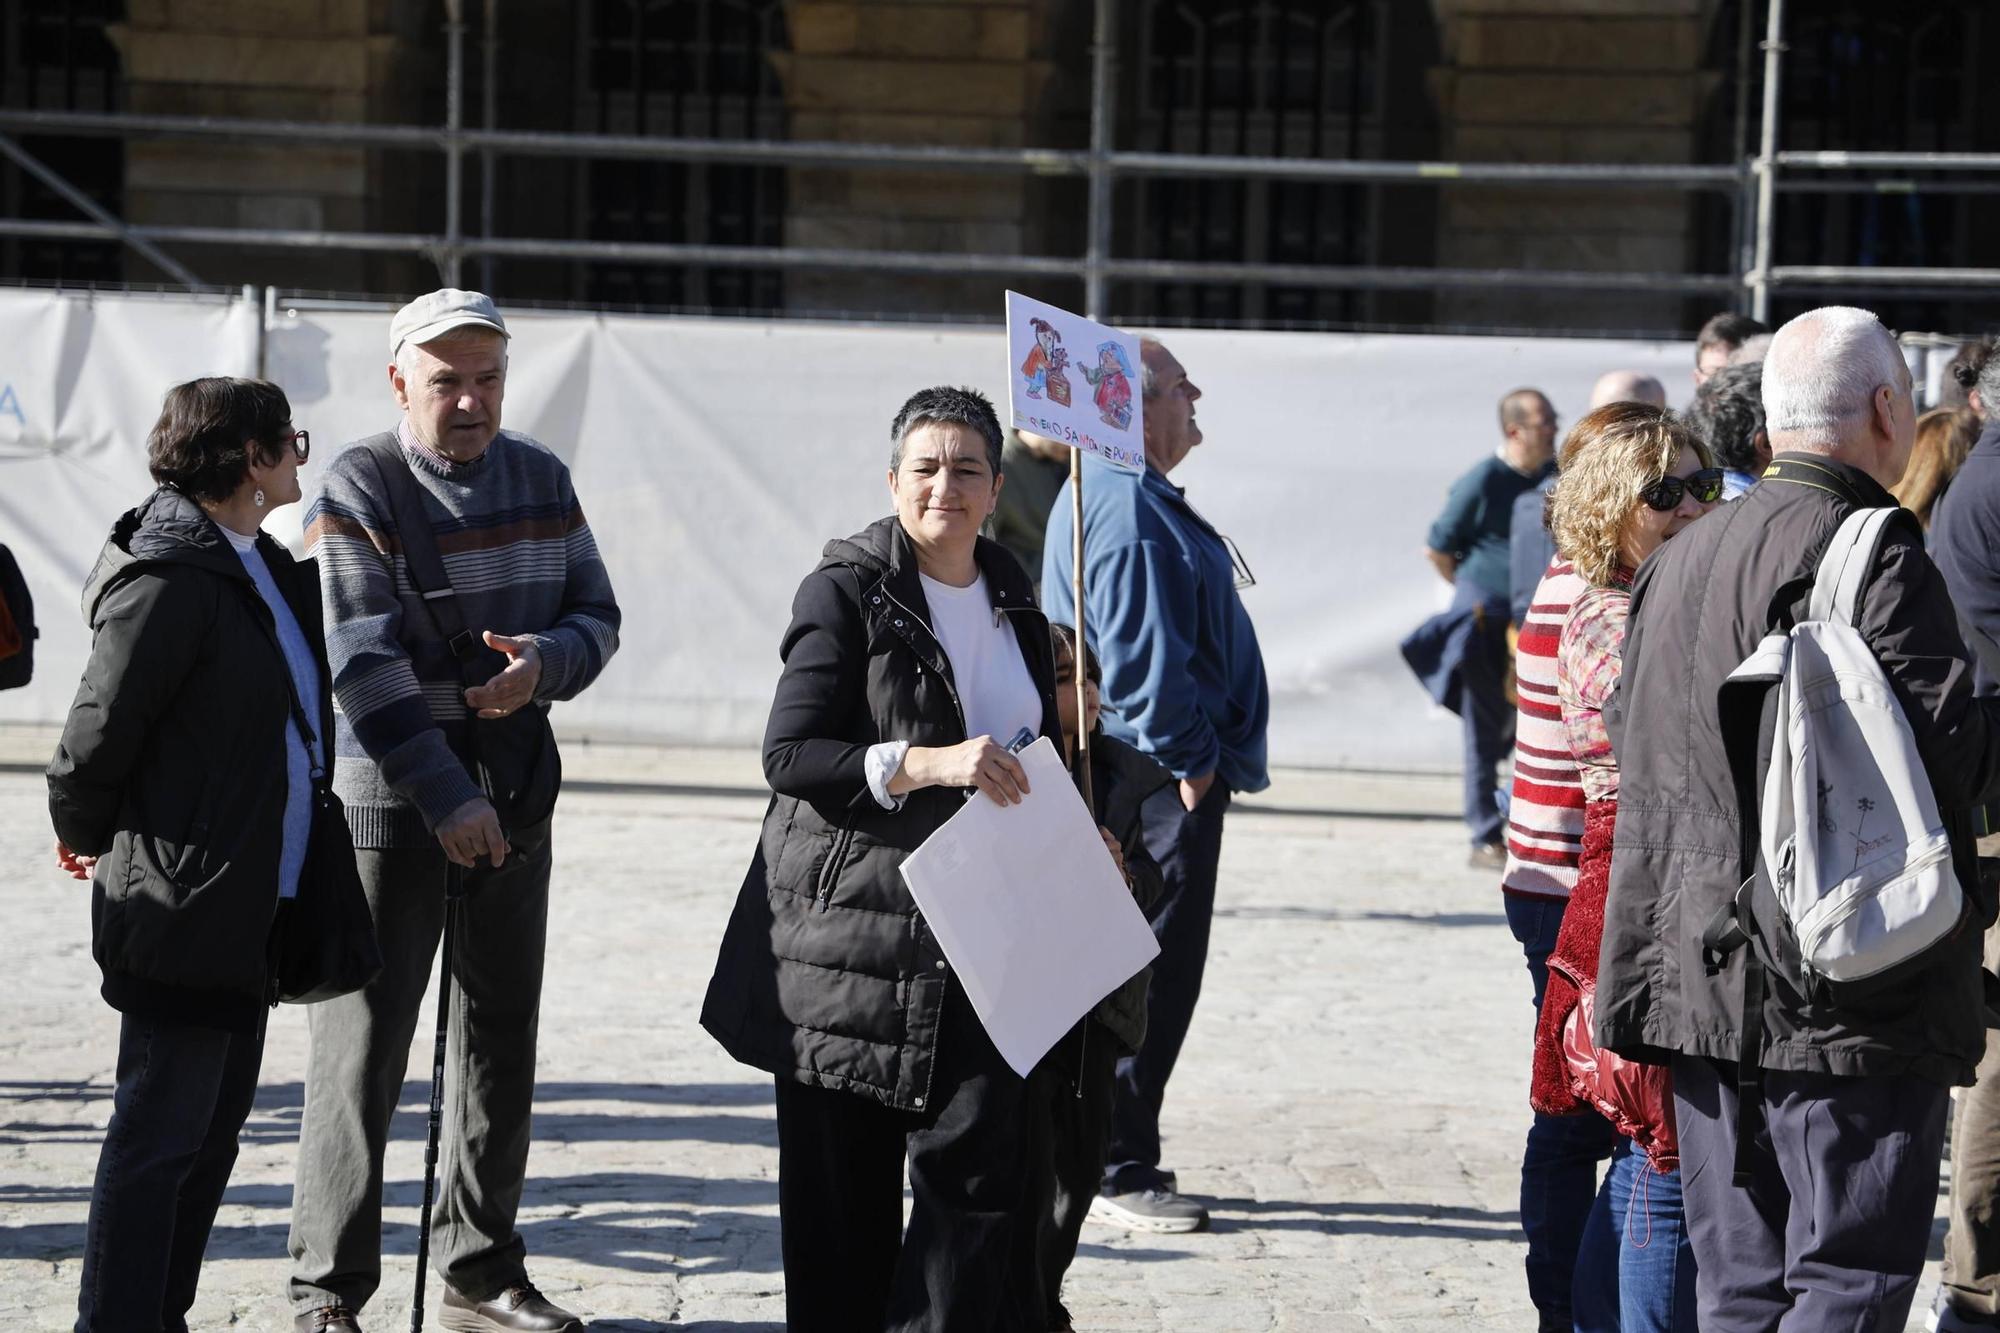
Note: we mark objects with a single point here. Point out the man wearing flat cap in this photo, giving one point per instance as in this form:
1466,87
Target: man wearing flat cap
444,758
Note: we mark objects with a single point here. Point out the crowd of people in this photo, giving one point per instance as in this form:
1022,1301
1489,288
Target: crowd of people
307,780
304,779
1729,1133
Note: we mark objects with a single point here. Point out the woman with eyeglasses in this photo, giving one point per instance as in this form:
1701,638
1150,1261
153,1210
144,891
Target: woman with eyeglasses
184,785
1633,477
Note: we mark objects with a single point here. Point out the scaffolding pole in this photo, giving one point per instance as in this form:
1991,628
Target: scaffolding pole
489,99
829,153
1767,165
116,229
450,254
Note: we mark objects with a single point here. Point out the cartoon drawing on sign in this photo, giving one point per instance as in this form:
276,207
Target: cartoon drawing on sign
1045,363
1112,377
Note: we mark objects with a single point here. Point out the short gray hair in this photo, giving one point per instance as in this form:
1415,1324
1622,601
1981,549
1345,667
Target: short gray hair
406,355
1822,372
943,405
1149,382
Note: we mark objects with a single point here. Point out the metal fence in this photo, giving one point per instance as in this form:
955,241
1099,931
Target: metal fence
1753,184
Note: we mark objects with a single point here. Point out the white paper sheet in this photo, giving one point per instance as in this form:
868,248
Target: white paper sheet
1032,914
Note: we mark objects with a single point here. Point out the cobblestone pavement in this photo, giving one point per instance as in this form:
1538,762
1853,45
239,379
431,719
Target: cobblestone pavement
1350,1102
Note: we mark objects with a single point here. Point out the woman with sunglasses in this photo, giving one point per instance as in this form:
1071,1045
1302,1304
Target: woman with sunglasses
1633,477
184,785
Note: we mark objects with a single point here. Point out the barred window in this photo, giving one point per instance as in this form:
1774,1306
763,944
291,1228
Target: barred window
1875,75
1281,78
699,68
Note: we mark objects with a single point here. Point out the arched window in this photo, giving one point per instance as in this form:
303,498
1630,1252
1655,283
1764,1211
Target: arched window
681,67
56,57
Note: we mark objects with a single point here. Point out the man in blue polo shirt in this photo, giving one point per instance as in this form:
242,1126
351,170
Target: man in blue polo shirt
1468,546
1184,682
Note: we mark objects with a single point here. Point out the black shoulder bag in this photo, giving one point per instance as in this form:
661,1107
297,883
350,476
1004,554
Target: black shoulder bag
325,945
514,759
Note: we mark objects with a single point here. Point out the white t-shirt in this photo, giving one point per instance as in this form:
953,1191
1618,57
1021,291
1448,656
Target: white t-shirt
994,687
988,671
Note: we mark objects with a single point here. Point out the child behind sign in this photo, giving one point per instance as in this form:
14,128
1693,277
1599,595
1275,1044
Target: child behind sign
1073,1112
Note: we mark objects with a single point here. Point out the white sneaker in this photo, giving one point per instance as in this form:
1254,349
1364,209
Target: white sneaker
1149,1210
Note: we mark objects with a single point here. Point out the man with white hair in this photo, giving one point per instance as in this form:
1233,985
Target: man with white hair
1837,1123
443,755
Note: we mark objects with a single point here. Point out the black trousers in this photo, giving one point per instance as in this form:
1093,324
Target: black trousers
850,1265
183,1095
1072,1120
1832,1229
1187,844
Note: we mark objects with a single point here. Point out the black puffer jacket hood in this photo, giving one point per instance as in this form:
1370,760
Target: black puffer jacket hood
828,973
171,768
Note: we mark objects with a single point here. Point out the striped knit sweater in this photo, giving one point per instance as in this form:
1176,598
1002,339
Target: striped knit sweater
1545,819
522,561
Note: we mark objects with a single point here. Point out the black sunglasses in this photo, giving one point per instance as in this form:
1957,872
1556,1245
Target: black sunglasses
1665,494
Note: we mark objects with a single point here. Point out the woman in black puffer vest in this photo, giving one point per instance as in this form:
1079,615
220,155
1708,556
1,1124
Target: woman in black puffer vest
913,645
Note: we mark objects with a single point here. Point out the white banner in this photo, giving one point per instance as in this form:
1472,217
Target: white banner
81,378
715,458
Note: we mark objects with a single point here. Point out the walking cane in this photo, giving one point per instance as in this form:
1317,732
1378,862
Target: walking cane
454,889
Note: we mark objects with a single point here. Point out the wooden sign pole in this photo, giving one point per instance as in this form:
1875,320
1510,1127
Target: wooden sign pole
1082,677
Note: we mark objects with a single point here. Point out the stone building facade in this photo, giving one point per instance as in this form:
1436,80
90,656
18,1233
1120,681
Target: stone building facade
1618,81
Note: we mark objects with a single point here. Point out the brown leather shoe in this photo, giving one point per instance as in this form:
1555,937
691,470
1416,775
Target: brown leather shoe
327,1319
518,1309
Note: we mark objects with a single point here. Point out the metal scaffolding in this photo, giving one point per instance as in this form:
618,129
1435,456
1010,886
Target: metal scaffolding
1754,184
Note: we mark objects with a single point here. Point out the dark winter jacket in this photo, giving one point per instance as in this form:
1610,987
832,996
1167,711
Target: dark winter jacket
827,973
1965,540
1121,778
171,768
1699,607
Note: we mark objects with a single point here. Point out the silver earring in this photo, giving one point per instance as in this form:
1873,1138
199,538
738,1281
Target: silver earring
258,498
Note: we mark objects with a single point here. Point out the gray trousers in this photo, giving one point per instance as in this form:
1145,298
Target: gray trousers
1972,1248
1832,1229
361,1050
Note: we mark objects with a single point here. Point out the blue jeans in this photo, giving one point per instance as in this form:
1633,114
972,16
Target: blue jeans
1635,1268
1484,714
1559,1164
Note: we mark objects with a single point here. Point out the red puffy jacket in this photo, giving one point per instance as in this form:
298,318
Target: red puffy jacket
1570,1074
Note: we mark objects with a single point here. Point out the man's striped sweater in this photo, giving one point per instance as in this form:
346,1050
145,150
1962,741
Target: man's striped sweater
522,561
1545,818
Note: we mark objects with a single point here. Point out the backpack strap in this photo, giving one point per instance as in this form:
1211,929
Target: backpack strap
424,565
1845,566
421,559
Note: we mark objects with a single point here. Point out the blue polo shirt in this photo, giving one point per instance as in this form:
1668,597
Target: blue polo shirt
1477,521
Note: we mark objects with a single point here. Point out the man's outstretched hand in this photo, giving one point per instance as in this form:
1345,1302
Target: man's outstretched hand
514,686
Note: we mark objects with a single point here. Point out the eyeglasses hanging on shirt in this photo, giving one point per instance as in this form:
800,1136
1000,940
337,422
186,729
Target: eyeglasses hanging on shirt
1239,568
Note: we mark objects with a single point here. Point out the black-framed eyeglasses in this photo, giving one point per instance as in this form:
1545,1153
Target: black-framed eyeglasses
1238,566
1665,494
301,442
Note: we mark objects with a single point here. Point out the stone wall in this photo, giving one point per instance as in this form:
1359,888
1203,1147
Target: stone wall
959,72
1569,81
268,59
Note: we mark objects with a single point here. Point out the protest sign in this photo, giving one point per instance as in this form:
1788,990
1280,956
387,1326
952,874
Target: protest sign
1074,381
